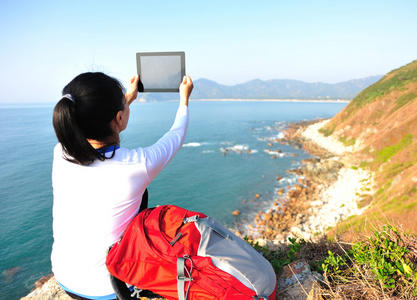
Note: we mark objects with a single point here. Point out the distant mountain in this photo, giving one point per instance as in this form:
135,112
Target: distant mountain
272,89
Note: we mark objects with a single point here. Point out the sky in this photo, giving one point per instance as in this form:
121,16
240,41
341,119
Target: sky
44,44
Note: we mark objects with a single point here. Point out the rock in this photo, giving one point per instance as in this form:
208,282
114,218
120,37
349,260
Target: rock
43,280
236,213
312,160
280,238
11,272
50,290
268,217
297,282
295,272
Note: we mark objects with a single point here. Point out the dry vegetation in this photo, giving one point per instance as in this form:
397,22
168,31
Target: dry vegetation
378,263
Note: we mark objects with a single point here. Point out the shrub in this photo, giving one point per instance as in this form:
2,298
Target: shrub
327,130
382,260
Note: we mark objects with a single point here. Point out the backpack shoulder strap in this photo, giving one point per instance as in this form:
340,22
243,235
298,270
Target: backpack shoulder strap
144,203
182,277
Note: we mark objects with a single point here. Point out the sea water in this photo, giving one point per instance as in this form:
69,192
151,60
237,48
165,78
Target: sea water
226,160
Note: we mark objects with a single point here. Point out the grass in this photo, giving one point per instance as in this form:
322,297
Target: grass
327,130
279,258
395,80
365,200
385,154
347,142
380,264
405,98
396,168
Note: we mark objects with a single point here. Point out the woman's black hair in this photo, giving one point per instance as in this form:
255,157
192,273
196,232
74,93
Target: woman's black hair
97,98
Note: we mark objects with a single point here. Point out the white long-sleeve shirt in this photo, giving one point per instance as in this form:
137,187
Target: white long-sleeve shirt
94,204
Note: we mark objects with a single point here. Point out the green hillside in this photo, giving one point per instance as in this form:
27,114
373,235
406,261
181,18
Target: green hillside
381,124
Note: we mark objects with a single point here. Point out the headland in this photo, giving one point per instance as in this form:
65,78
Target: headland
329,189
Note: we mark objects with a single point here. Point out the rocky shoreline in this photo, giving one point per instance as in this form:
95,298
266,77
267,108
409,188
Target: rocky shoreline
329,189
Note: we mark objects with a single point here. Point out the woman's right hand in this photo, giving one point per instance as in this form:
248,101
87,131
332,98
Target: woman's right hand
132,89
186,88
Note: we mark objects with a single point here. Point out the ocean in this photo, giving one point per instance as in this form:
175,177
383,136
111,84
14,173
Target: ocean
228,157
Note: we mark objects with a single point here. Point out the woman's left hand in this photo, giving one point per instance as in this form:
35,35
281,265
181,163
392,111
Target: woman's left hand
132,90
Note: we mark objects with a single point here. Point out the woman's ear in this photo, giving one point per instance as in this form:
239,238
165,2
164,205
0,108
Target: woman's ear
119,117
118,121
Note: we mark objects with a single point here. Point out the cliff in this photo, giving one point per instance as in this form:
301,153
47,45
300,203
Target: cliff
379,127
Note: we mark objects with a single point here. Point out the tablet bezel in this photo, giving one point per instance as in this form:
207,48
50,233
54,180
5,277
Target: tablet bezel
161,90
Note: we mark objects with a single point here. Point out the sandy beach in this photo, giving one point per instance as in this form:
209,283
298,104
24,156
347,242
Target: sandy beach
340,199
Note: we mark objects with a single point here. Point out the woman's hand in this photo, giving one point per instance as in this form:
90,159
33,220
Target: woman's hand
186,88
132,89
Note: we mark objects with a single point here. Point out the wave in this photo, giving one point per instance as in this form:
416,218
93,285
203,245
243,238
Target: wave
277,153
236,148
192,145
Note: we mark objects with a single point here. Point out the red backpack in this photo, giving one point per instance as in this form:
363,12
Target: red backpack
186,255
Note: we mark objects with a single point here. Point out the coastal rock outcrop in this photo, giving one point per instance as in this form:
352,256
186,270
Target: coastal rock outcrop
327,191
295,282
298,282
49,290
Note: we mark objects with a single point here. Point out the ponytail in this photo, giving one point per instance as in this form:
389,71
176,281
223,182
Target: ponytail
76,147
90,103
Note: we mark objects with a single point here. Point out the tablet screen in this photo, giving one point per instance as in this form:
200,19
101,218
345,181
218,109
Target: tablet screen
161,71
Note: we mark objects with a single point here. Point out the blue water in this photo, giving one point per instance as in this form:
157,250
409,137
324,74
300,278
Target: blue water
199,178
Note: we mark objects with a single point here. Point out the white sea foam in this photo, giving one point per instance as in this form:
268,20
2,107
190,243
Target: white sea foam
192,145
275,153
240,147
237,149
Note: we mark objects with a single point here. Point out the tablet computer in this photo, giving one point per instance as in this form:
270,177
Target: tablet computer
161,71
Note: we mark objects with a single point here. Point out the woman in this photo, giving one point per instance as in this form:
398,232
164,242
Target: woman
98,186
